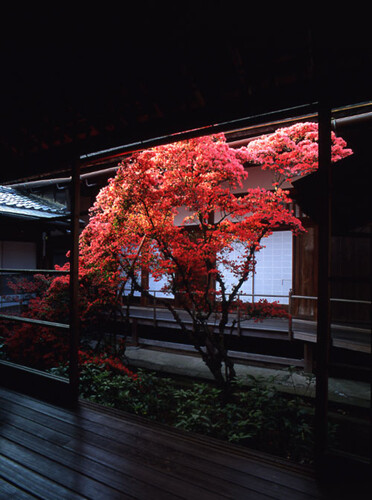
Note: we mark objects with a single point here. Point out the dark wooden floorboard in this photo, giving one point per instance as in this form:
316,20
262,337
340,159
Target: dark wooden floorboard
106,467
196,456
182,461
9,492
185,449
74,479
49,452
107,464
36,484
94,473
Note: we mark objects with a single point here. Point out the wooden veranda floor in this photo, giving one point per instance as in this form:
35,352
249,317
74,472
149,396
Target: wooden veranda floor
347,337
49,452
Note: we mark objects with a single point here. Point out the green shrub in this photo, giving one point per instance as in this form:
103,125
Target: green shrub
147,395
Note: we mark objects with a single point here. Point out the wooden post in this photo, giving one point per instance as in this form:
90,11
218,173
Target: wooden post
135,332
238,313
154,319
308,357
74,285
290,324
324,260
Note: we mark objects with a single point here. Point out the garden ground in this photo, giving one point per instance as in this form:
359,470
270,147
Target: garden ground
341,391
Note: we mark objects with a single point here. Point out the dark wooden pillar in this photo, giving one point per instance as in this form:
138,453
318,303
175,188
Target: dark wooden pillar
308,357
74,284
324,260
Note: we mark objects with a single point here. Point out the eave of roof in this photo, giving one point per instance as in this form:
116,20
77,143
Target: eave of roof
16,204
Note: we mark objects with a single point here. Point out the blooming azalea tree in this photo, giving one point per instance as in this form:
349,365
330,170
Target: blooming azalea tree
292,152
132,230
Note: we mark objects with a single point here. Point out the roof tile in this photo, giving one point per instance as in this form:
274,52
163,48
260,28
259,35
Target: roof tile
13,202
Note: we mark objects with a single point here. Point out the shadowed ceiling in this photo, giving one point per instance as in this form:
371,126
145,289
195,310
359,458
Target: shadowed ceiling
73,84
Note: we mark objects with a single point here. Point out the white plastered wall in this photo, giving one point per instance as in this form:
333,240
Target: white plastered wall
15,255
273,274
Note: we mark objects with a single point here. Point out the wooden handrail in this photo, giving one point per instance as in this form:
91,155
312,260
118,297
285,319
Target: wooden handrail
34,271
22,319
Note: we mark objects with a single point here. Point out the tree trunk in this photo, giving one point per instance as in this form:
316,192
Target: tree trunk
216,357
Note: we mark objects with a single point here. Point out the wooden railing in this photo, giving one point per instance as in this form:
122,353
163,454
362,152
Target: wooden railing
34,382
254,297
23,319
